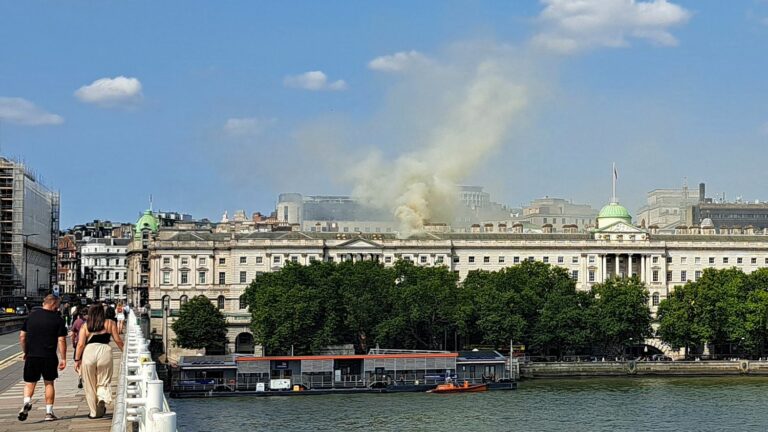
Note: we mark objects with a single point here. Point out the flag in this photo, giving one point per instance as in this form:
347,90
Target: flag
615,173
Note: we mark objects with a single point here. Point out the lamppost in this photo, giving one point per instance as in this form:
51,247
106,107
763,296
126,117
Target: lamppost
26,258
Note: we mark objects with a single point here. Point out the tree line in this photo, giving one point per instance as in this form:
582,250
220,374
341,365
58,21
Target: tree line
302,309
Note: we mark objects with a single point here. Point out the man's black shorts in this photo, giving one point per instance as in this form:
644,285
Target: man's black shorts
34,367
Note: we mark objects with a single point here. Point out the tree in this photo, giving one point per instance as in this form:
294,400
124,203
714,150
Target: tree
676,319
620,313
200,325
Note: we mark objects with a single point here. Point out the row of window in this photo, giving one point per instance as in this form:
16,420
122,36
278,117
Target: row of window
184,299
711,260
202,277
105,261
516,259
203,261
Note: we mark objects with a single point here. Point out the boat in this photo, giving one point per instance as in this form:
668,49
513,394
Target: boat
465,388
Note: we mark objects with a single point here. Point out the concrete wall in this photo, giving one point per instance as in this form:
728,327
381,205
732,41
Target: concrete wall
626,368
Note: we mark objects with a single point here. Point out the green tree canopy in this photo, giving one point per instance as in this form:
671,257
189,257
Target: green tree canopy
620,314
200,325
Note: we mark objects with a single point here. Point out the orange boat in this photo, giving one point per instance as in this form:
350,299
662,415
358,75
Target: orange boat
453,388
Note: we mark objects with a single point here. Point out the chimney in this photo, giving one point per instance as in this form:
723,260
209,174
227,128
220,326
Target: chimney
701,192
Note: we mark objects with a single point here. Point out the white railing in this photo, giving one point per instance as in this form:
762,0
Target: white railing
140,399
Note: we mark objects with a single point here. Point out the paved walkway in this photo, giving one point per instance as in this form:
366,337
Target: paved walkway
70,404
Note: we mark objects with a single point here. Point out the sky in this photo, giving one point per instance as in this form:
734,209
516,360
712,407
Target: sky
214,106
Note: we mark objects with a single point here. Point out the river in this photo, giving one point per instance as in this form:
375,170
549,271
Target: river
594,404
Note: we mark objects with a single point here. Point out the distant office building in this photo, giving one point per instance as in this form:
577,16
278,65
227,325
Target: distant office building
29,232
69,265
559,213
100,229
669,208
733,216
104,261
167,219
331,213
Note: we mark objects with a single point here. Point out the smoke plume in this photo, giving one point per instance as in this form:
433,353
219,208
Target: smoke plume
469,109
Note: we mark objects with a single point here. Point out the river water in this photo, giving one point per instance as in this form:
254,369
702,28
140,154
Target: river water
594,404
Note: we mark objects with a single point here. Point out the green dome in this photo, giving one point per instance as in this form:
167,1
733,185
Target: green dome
146,221
614,211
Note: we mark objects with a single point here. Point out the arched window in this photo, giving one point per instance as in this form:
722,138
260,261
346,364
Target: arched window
221,302
655,299
166,302
183,300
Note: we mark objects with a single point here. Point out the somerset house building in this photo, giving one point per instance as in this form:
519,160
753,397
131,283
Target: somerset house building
220,260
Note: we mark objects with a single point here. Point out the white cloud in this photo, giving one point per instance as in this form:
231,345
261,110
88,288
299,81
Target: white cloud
569,26
314,81
397,62
108,92
247,126
24,112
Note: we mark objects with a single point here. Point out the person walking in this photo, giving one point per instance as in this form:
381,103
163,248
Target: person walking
120,312
82,318
93,360
41,334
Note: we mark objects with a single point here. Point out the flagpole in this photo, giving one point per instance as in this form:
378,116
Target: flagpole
613,177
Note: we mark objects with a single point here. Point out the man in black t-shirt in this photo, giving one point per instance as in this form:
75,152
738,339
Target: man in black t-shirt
43,331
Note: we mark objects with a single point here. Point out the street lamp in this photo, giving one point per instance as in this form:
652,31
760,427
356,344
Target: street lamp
26,258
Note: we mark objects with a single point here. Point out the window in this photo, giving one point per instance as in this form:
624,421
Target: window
184,278
591,275
575,274
669,276
201,277
294,258
546,259
222,261
697,260
243,277
423,259
166,277
439,259
455,259
739,260
220,302
387,259
501,260
183,300
574,260
683,276
166,260
530,259
560,260
276,259
259,260
697,275
725,260
669,260
471,260
655,260
545,220
711,260
242,304
185,261
201,261
486,259
515,260
655,277
346,229
244,260
591,259
753,261
655,299
222,278
683,260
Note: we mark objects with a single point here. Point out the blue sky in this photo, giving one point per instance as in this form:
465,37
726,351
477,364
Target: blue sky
213,106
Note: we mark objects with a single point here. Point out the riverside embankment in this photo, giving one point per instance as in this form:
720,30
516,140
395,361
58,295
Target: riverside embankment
642,368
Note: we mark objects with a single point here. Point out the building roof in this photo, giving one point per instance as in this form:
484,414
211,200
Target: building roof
146,221
614,210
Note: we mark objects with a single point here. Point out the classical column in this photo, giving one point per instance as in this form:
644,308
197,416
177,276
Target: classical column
630,271
642,268
604,268
616,257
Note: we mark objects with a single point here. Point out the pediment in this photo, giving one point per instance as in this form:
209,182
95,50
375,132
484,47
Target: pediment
621,227
359,243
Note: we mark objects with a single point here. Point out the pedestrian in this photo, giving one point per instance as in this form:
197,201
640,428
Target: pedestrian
110,313
42,332
93,360
120,312
82,318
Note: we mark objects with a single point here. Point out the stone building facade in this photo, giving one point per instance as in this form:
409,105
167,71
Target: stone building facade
219,261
